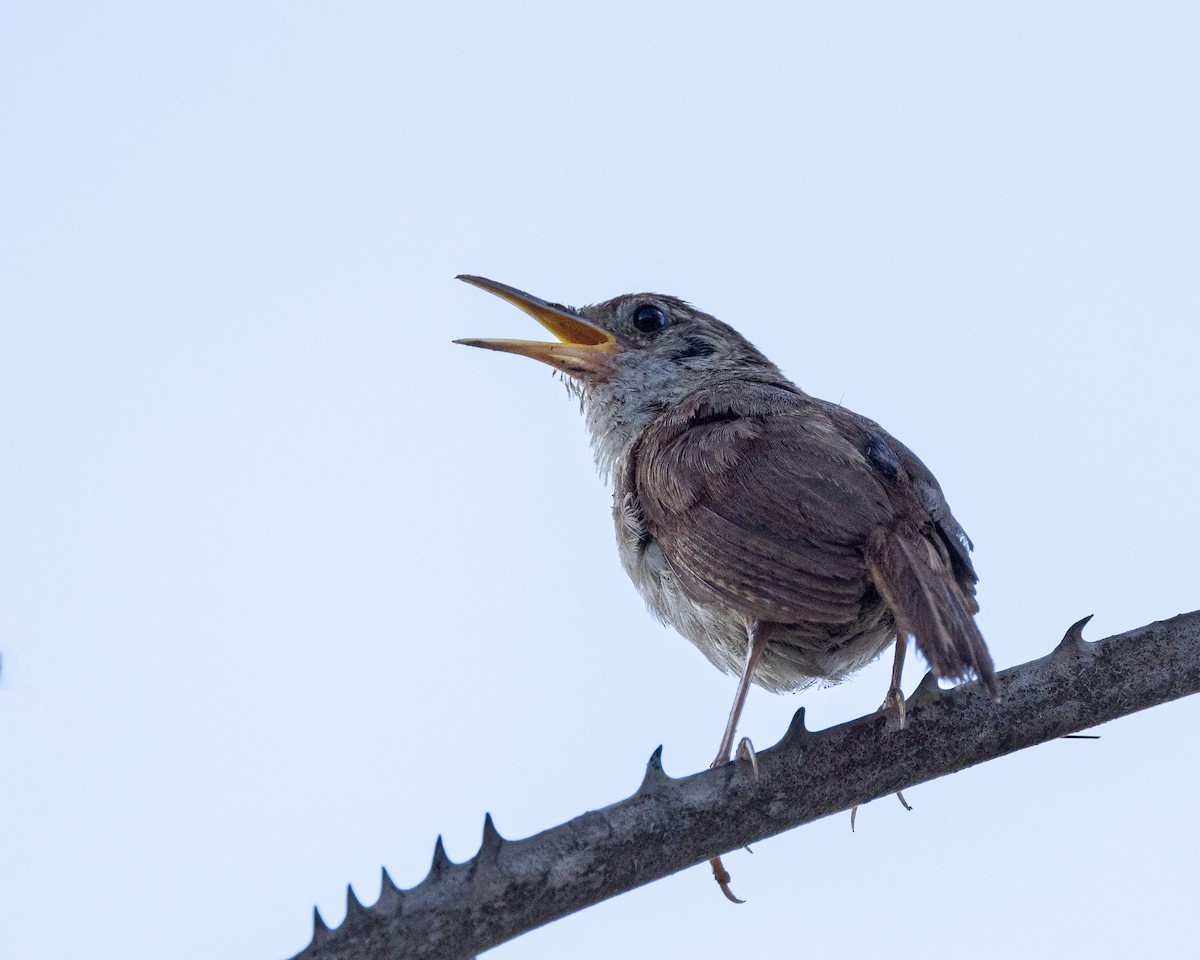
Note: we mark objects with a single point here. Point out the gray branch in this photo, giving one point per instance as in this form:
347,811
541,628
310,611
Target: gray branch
512,886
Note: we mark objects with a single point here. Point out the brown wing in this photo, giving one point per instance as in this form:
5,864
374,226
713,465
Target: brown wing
761,504
949,530
921,563
791,510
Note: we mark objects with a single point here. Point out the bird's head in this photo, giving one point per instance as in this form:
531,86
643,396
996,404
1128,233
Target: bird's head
635,355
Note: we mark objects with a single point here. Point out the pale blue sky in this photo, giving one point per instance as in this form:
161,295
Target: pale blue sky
289,584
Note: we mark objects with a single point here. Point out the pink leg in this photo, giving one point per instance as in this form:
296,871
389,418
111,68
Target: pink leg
893,700
756,644
895,696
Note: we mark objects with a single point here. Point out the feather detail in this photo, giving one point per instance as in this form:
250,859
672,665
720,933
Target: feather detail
913,575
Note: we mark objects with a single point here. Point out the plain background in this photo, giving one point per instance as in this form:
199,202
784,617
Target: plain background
291,584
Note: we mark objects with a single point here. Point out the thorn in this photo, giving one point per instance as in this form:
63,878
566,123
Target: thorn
389,894
386,882
491,837
1080,736
927,689
1072,640
441,862
853,816
904,803
321,932
796,730
745,751
721,875
354,907
655,775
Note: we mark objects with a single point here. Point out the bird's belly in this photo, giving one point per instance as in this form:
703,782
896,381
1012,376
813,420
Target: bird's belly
798,654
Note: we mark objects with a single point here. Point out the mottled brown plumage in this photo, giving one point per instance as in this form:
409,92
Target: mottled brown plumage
776,507
790,539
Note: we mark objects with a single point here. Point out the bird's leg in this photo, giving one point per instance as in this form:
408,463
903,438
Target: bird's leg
756,644
895,701
895,696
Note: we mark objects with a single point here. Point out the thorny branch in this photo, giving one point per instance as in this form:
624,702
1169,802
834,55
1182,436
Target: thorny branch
512,886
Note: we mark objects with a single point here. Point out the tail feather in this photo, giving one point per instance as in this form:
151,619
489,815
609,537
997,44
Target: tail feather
913,574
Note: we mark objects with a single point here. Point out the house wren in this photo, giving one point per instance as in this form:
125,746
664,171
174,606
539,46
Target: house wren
788,538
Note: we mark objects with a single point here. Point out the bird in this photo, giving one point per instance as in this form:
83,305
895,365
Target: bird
790,539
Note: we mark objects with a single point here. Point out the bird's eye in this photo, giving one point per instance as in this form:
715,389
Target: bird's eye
649,319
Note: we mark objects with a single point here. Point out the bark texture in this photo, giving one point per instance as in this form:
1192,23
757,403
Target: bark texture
512,886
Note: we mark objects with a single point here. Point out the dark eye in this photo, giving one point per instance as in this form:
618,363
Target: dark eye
649,319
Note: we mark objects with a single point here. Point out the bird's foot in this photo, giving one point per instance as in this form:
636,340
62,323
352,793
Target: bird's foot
745,751
894,701
721,875
899,796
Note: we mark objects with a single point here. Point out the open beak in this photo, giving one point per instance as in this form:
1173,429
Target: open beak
583,349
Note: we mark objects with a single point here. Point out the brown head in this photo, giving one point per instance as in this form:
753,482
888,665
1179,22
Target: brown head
633,356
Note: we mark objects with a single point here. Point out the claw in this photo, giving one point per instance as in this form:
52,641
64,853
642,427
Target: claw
745,751
721,875
899,796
